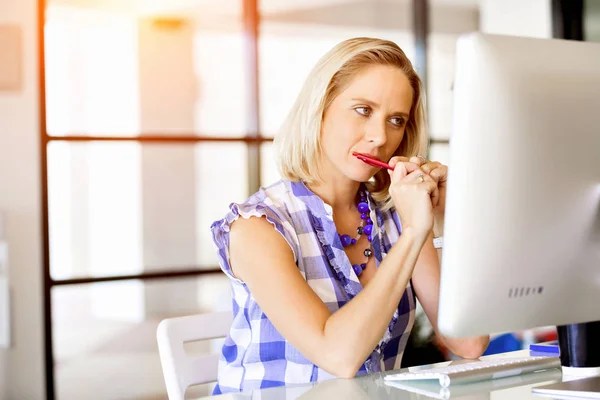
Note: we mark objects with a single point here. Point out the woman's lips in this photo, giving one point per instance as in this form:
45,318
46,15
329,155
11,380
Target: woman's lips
375,162
371,156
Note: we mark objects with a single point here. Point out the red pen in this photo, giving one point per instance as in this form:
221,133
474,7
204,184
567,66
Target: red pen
372,161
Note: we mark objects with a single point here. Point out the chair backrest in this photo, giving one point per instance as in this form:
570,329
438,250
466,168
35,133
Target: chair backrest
181,370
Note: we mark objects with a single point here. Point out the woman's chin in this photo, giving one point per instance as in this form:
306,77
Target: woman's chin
361,175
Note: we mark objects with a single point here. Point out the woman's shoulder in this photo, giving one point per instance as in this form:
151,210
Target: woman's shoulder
269,202
275,202
275,195
275,198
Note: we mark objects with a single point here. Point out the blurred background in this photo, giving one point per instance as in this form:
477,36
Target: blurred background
156,114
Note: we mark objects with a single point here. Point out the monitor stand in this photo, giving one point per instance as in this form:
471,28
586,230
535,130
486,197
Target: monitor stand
580,349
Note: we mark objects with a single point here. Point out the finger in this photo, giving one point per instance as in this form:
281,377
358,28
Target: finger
435,196
429,186
402,170
430,166
399,172
423,178
412,167
416,175
395,160
440,174
416,160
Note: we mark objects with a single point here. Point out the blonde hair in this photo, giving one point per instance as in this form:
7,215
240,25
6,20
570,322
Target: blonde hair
299,139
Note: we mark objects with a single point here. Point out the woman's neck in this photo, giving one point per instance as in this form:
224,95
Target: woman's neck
339,194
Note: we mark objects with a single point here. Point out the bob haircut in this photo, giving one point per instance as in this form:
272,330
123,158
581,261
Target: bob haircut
298,142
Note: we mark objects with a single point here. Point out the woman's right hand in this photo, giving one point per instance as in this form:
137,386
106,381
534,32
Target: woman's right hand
414,194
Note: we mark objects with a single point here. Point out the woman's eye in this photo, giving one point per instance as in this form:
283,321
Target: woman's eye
363,110
398,121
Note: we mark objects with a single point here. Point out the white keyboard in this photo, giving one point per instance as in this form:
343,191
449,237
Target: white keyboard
479,370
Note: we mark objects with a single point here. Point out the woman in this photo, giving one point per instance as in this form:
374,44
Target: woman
325,264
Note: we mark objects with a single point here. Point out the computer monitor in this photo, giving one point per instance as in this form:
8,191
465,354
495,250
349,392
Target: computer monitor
522,228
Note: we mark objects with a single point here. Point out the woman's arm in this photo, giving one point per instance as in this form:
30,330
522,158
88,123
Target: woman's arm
426,277
339,342
426,283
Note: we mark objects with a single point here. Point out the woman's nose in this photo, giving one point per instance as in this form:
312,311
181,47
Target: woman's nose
375,133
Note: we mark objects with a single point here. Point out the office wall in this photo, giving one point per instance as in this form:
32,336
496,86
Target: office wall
531,18
22,366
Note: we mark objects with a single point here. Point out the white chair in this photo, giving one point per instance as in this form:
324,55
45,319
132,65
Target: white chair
181,370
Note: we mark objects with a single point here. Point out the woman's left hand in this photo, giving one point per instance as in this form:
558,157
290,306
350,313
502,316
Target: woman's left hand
439,173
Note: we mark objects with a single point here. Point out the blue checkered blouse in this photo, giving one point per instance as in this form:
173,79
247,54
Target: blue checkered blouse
254,354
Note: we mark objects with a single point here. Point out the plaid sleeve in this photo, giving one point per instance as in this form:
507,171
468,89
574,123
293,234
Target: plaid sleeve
220,230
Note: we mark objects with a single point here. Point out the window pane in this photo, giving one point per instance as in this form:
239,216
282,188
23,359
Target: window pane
591,20
220,70
295,35
448,22
441,53
127,208
112,72
91,74
440,152
104,334
268,168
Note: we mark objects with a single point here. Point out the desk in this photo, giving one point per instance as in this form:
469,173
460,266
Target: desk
373,387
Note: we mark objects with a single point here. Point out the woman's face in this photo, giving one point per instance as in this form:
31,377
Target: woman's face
368,117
